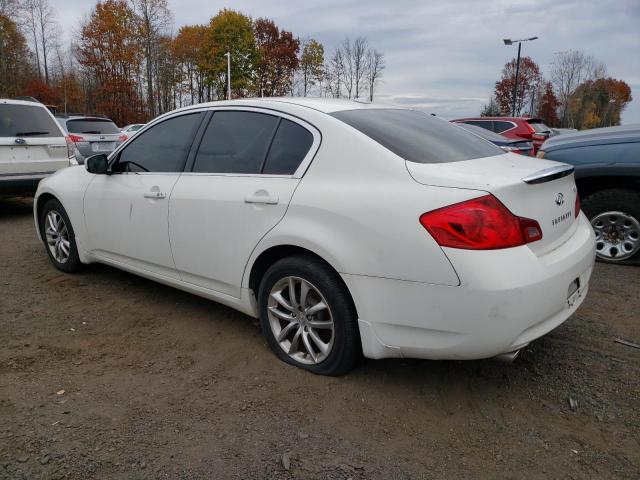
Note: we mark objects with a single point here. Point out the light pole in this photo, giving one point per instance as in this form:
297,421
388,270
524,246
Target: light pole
228,55
508,41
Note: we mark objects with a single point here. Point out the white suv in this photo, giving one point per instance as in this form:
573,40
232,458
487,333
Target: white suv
32,146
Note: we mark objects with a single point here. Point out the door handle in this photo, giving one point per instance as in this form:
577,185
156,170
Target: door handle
261,196
154,194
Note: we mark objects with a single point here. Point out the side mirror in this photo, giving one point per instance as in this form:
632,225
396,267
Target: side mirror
98,164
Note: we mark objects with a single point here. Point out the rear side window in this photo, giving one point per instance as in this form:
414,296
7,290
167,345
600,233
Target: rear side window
161,148
418,137
27,121
92,126
289,147
501,126
486,124
235,142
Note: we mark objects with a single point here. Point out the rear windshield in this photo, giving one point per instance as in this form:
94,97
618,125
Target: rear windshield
418,137
27,121
539,127
92,125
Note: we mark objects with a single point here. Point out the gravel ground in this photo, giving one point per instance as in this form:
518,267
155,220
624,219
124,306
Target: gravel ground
107,375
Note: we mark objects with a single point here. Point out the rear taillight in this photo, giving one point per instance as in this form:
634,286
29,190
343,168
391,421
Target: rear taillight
577,206
482,223
122,138
71,148
76,138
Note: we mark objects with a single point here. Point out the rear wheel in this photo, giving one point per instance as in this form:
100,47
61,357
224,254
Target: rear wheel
308,317
615,217
59,238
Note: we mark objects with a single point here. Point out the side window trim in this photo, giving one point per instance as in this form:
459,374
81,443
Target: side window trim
266,154
300,171
114,157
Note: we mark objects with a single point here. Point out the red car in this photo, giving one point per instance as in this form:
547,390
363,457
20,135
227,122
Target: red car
532,129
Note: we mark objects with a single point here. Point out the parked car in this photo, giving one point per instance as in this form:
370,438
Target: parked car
91,134
129,130
531,129
32,146
521,147
347,228
607,163
562,131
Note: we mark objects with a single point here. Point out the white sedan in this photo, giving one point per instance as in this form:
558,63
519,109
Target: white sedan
348,229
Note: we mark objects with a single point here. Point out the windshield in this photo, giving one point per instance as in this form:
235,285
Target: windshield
418,137
539,127
27,121
96,126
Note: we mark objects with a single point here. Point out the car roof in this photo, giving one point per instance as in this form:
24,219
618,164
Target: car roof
10,101
595,136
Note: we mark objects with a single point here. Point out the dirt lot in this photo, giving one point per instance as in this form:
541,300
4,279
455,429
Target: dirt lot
106,375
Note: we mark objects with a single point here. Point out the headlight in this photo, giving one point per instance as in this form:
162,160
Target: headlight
540,154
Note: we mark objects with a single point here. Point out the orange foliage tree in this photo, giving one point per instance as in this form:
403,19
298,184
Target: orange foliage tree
528,78
548,106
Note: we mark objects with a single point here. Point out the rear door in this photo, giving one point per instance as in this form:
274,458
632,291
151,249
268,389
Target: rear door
31,141
242,178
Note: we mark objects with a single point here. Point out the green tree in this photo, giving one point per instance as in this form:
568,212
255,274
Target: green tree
230,31
492,109
311,65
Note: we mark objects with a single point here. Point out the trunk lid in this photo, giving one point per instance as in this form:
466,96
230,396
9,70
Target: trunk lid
32,155
548,197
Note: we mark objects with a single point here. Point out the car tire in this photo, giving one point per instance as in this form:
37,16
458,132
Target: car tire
306,319
59,238
615,217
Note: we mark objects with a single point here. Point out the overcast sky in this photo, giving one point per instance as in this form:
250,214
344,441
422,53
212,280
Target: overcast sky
444,56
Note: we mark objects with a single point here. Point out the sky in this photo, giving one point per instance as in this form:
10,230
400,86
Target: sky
443,56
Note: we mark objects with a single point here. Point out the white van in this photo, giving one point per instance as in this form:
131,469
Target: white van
32,146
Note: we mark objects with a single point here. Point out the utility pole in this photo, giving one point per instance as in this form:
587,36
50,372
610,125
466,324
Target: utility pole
228,55
508,41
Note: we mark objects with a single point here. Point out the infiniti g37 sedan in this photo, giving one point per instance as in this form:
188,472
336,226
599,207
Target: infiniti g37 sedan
349,229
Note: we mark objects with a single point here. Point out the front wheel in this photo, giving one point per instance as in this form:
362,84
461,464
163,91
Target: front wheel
615,217
59,238
308,317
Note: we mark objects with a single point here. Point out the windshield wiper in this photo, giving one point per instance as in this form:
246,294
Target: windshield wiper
93,131
28,134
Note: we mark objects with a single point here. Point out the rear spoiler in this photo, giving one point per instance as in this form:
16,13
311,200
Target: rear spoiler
548,174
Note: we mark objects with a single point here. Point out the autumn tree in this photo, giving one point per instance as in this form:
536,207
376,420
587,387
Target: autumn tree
38,19
599,103
14,70
548,106
528,78
187,50
230,31
109,51
277,58
153,20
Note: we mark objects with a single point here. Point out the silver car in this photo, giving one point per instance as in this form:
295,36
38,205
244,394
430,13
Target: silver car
90,134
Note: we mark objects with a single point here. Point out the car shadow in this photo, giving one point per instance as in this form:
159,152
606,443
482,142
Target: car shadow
16,207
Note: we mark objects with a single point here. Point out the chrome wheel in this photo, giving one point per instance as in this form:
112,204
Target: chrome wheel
57,236
300,320
617,235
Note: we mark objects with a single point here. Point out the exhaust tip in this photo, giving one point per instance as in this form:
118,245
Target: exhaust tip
508,357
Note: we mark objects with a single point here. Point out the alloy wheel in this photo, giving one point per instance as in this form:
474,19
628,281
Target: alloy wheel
57,235
617,235
301,320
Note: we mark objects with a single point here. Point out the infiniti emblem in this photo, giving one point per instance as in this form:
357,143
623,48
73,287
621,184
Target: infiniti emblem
559,199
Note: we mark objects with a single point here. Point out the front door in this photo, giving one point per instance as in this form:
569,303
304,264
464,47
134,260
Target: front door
243,176
127,211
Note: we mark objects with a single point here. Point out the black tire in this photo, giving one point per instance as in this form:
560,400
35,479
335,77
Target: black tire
72,264
346,349
613,200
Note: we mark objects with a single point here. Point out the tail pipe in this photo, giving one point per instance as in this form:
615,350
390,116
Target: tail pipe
508,357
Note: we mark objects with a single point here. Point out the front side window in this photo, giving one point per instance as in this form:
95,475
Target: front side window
161,148
236,142
26,121
416,136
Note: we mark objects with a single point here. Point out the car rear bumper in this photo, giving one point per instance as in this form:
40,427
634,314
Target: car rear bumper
507,298
21,183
